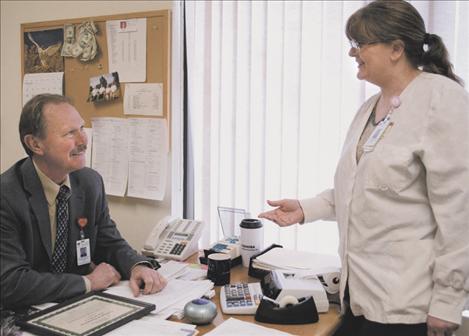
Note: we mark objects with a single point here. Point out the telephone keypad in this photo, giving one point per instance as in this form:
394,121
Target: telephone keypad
177,248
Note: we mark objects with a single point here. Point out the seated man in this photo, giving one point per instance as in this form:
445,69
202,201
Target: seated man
57,239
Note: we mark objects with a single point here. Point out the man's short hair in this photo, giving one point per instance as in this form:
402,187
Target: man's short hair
32,116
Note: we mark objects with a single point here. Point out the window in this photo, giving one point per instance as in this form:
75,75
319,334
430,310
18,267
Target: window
271,93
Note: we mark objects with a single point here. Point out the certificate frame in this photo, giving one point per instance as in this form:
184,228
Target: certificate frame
91,314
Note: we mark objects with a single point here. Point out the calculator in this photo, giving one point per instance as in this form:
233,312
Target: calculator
240,298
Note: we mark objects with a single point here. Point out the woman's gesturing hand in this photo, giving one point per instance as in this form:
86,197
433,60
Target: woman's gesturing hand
288,212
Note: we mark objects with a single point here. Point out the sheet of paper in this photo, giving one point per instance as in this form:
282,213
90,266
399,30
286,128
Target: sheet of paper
177,308
43,306
46,82
282,258
182,271
89,135
172,268
151,326
144,99
148,158
176,293
191,273
235,327
110,153
127,48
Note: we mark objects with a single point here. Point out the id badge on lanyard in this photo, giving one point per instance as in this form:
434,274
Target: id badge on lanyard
83,252
381,128
83,245
377,134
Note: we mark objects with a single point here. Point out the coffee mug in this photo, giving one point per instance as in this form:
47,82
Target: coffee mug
219,265
251,238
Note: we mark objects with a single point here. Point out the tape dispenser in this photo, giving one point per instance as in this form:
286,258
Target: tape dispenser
280,284
289,310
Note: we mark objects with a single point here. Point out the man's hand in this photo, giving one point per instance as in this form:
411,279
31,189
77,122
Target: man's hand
437,327
288,212
103,276
152,280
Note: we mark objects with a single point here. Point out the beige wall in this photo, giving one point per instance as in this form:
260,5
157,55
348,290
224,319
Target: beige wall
134,217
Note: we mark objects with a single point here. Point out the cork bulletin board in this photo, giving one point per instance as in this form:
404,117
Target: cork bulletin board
77,73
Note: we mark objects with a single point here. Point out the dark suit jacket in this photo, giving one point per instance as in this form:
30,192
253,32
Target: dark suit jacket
25,237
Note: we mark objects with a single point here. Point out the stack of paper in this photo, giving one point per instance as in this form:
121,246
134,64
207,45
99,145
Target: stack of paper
172,269
285,259
179,270
172,299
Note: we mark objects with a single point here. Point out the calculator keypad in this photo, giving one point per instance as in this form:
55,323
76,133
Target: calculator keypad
240,298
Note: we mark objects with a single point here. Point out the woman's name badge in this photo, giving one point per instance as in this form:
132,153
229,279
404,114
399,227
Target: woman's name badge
83,252
377,134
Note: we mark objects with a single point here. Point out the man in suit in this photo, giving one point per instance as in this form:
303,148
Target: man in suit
53,207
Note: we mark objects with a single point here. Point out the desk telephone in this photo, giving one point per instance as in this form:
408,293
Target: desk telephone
173,238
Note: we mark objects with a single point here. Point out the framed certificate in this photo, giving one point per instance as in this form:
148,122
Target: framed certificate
91,314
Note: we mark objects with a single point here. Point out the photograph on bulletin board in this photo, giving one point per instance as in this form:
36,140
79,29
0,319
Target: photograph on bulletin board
42,51
104,88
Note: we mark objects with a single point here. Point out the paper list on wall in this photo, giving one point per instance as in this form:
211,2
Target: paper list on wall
110,153
46,82
127,48
144,99
148,158
89,136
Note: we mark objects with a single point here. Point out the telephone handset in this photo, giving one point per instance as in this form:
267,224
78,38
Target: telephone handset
173,238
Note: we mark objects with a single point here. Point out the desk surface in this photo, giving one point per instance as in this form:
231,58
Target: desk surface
326,325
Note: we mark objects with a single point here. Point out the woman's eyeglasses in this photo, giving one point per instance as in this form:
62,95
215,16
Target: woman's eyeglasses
358,45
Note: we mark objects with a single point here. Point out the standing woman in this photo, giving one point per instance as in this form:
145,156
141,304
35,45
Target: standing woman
401,188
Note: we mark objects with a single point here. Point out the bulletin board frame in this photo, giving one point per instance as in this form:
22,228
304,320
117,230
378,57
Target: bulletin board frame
77,74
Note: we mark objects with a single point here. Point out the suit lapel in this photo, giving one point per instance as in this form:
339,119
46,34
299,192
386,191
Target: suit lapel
38,203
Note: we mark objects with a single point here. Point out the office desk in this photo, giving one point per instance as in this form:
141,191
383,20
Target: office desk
326,325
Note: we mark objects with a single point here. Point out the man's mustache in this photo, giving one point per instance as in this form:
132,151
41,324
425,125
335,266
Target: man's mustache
79,149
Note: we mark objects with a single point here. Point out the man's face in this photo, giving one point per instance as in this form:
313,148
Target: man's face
62,150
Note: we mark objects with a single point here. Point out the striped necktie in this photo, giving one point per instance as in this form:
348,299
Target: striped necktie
59,258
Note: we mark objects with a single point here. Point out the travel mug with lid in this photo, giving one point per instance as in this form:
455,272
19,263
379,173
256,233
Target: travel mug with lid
251,238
